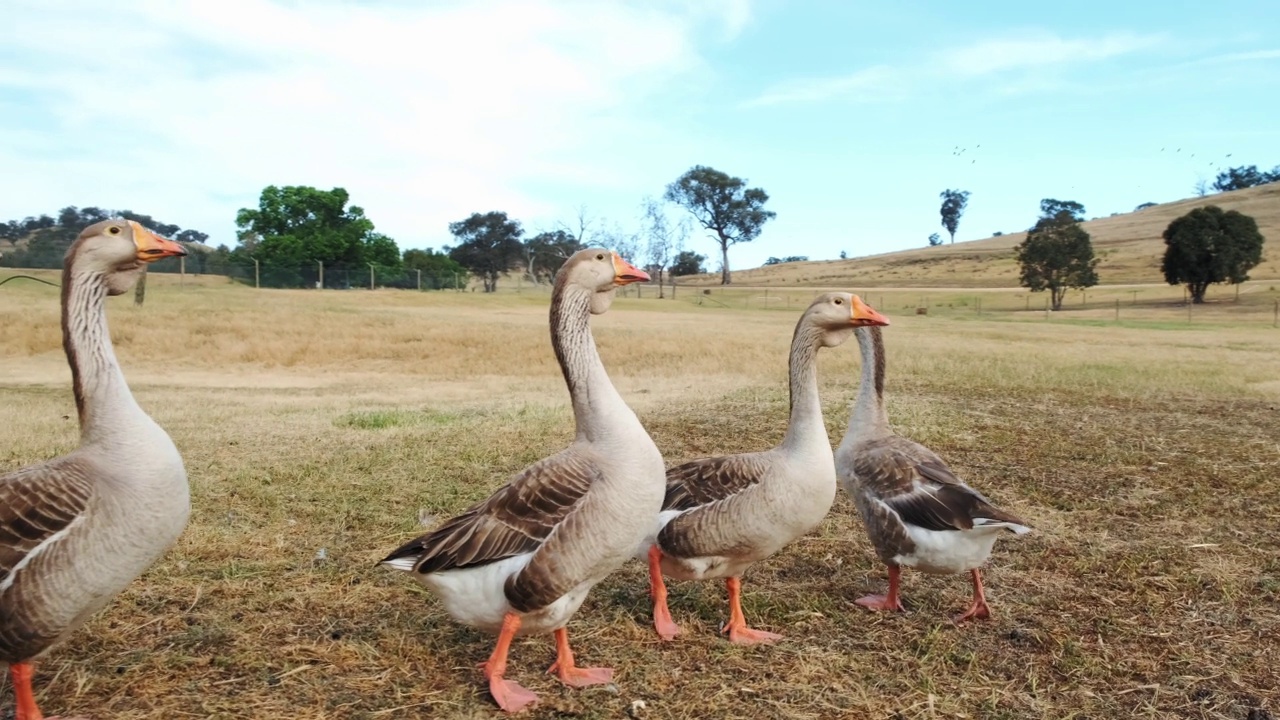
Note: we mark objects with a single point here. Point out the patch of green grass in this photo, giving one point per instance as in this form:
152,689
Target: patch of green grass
383,419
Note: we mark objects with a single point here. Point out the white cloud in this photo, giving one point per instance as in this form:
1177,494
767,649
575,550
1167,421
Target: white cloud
1039,50
866,84
981,59
424,112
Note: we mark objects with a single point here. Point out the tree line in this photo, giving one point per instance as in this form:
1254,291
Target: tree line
1208,245
301,236
47,237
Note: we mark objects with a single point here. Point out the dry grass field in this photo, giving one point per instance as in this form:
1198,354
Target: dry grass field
316,426
1129,246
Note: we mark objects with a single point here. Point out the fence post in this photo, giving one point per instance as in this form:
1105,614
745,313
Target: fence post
321,285
370,276
419,278
182,271
256,284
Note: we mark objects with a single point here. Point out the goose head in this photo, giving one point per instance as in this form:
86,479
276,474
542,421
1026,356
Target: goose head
836,314
600,272
118,251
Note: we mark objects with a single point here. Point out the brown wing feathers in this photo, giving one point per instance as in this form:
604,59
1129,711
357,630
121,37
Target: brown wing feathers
923,490
35,504
710,479
516,519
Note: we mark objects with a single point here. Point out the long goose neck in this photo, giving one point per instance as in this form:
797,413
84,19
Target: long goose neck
869,416
593,394
103,400
805,421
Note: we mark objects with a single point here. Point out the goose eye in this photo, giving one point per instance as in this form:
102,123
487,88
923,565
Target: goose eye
839,301
600,257
114,230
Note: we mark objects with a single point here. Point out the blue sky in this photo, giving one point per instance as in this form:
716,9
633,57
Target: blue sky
849,114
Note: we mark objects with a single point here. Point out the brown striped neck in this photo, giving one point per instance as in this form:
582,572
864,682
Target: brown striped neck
593,394
805,421
869,416
103,400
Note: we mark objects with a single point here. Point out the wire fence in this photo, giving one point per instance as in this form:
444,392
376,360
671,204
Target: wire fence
1248,303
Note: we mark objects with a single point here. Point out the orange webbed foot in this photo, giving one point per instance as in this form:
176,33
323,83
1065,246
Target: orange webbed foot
979,611
510,696
743,635
582,677
880,603
666,628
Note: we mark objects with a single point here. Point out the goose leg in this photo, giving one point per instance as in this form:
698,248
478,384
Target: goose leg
662,622
509,695
22,694
22,673
737,628
571,674
979,609
888,601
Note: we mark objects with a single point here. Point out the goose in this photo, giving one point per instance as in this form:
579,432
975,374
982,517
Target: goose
523,560
721,514
77,529
915,510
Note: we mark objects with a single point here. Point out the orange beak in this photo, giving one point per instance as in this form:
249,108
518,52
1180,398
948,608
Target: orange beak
864,315
152,247
624,273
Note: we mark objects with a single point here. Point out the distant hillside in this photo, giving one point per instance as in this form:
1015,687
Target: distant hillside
1130,247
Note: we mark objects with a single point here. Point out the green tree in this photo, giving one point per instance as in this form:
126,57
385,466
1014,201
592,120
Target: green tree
1208,245
45,239
687,262
295,227
953,204
545,252
724,205
488,245
1245,176
1061,210
1057,253
438,269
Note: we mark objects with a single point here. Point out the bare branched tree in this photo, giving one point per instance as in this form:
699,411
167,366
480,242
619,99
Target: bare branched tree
580,228
664,239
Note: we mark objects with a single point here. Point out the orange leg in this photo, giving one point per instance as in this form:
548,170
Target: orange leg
571,674
22,693
979,609
737,626
509,695
662,622
889,601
